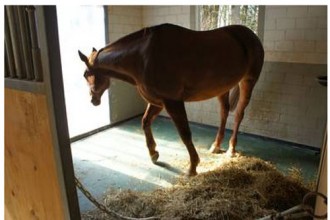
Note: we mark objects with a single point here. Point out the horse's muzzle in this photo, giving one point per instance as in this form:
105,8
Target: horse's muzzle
96,102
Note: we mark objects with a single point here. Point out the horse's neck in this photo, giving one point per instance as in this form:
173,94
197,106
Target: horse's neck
124,60
120,76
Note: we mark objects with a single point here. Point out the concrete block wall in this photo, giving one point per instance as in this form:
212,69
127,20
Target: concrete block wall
125,102
180,15
288,104
296,34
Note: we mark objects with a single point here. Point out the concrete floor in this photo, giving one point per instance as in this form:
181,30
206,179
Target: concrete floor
118,157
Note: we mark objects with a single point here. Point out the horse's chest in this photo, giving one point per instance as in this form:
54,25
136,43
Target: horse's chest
149,97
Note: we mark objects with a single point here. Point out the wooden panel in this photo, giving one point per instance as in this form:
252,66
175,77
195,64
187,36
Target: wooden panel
31,185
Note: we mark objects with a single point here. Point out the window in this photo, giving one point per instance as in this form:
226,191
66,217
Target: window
214,16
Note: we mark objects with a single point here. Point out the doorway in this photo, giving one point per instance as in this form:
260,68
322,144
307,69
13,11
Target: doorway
81,28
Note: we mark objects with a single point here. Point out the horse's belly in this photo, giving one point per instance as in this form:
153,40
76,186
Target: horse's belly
149,97
203,94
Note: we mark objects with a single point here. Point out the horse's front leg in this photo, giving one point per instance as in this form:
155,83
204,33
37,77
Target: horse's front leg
150,114
178,114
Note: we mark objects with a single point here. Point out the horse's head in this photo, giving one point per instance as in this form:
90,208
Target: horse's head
98,82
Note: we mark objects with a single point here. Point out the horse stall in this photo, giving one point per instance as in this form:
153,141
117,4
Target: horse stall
86,139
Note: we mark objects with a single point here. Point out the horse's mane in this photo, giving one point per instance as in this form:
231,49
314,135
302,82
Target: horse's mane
128,39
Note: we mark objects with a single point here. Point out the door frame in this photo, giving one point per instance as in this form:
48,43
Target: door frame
52,69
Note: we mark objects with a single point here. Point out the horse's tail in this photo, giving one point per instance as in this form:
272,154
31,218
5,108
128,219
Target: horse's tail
233,98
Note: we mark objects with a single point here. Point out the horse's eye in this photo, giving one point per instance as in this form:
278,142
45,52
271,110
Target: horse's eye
85,74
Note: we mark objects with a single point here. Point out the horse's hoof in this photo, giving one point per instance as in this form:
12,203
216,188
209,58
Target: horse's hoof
154,157
230,153
214,149
191,173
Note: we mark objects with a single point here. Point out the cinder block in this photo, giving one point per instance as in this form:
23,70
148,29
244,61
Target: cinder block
294,78
184,18
115,19
304,46
292,110
285,23
185,9
316,58
294,35
319,35
269,45
298,90
314,111
296,11
317,11
270,98
321,47
283,45
171,18
162,10
117,28
292,119
257,95
322,23
174,10
262,115
275,12
306,23
267,105
274,35
288,131
270,24
275,77
293,100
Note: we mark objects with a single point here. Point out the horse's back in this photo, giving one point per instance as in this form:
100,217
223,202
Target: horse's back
200,64
229,41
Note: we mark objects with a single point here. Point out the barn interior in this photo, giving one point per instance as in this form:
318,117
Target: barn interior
285,122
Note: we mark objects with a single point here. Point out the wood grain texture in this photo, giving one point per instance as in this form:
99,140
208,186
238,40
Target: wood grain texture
31,181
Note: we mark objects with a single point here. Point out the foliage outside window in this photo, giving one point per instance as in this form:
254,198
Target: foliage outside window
214,16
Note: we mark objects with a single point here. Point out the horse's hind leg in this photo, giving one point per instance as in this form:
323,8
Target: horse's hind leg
148,117
224,101
246,87
178,114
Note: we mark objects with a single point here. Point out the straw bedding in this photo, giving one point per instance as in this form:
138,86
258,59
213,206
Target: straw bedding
237,188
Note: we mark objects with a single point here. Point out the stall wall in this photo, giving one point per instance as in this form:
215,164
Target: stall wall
296,34
32,188
287,103
181,15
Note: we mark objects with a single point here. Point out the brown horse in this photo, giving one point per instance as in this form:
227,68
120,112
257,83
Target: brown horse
169,65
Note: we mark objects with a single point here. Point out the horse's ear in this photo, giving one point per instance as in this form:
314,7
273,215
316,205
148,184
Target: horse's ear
94,50
83,57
